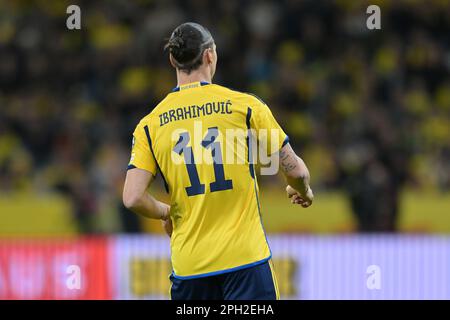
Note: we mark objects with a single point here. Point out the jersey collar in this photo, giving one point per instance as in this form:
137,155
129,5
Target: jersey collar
190,85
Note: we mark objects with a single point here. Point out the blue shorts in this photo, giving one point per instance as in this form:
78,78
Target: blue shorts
253,283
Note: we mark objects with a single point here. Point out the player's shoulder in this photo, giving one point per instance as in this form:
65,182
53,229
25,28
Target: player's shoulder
245,97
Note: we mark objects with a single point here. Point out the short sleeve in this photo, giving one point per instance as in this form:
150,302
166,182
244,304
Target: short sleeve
141,155
269,133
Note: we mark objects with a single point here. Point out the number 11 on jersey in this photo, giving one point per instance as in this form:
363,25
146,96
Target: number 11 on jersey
209,142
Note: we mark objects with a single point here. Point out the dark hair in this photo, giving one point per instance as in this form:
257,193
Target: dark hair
187,44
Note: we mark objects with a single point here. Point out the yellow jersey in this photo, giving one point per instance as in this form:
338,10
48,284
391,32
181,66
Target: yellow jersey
199,138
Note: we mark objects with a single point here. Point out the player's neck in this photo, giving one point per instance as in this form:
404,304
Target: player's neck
196,76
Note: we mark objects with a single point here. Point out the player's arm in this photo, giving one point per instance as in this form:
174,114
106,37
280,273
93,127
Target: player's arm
137,199
297,177
294,169
140,174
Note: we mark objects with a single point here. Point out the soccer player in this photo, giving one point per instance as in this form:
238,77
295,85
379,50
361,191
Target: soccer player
219,248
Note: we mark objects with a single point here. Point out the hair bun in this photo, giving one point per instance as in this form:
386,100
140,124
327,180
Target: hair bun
176,43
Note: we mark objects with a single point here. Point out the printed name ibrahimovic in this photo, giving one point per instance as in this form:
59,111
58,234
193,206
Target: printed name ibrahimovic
227,309
189,112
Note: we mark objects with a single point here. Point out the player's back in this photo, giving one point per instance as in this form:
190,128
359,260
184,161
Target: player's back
198,138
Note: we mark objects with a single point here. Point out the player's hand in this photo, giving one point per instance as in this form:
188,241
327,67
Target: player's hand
165,219
167,225
304,200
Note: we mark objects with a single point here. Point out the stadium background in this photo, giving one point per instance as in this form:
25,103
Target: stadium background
369,111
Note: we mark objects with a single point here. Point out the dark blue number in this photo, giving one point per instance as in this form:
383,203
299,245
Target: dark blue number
181,148
209,143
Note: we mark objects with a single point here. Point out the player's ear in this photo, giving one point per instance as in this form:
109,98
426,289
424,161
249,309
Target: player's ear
208,56
172,61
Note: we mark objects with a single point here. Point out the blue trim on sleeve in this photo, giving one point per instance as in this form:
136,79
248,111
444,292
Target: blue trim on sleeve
215,273
252,173
249,147
248,117
130,166
285,142
147,133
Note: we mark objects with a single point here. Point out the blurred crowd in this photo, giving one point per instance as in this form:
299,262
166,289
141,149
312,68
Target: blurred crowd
369,110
